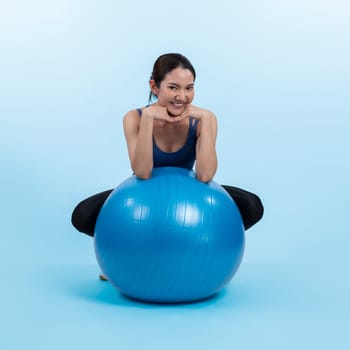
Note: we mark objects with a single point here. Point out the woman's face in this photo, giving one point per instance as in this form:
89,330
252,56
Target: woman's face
176,90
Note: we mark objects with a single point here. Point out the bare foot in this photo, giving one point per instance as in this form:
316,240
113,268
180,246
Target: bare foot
103,278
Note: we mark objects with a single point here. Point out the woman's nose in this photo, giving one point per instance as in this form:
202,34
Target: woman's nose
181,95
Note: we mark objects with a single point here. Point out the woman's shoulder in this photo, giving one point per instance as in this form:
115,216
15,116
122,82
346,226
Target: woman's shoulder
135,112
132,118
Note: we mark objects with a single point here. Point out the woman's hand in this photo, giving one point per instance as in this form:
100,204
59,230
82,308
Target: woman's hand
157,112
195,112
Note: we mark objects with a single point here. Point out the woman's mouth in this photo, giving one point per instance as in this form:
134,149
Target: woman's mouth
178,104
176,108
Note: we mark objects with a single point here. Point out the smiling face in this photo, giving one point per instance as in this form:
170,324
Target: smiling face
175,91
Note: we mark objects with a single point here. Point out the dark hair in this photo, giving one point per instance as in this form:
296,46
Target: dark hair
165,64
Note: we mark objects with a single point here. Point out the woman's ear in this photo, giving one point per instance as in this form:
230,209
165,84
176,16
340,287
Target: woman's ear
153,86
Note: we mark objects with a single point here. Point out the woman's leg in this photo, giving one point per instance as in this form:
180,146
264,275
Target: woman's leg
249,205
85,214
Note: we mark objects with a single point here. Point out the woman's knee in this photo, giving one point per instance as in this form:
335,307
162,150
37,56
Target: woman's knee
256,209
85,214
80,219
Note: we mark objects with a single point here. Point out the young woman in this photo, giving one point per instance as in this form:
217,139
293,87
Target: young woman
170,132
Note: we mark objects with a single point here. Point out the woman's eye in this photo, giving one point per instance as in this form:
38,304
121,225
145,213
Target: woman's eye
172,87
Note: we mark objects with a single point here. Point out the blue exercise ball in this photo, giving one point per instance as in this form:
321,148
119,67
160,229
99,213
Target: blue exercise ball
170,238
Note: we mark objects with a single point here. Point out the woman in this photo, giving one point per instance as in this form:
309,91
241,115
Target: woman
170,132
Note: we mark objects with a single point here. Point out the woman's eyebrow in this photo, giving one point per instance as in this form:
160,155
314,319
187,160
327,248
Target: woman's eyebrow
176,84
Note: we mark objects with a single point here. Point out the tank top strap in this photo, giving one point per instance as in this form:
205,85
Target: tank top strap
193,125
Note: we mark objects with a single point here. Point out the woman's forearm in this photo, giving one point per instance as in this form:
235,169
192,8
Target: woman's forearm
142,159
206,159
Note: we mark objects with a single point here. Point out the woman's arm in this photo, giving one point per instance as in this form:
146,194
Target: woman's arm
139,137
206,159
138,134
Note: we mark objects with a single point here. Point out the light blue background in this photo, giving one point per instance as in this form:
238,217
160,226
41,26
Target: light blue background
276,73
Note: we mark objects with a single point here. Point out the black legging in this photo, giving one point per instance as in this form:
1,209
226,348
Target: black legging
85,213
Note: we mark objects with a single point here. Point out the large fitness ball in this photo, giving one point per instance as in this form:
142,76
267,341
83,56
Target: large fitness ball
170,238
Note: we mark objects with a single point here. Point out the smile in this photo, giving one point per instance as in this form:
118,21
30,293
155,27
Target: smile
177,104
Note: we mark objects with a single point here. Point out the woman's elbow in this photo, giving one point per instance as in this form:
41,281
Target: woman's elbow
207,174
142,174
204,177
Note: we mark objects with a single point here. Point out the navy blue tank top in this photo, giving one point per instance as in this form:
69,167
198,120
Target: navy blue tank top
184,157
